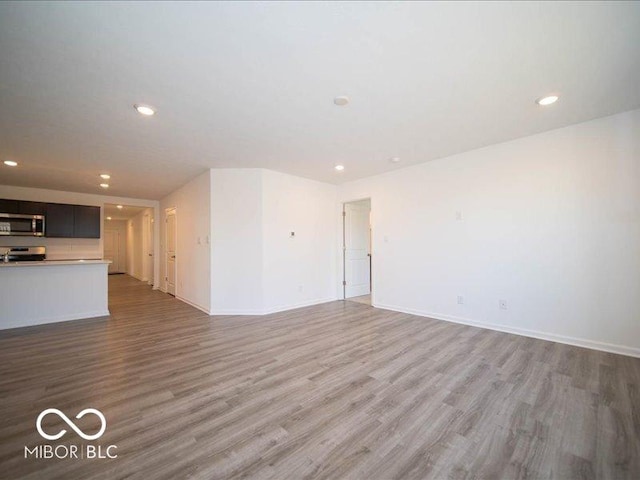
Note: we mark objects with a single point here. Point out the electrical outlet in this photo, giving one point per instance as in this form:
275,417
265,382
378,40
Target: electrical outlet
460,300
300,288
502,304
459,215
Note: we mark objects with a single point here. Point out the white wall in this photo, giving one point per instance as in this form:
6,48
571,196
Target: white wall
298,270
256,266
193,223
68,248
236,234
134,247
550,223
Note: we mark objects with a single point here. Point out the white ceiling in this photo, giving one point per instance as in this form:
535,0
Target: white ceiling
127,212
251,84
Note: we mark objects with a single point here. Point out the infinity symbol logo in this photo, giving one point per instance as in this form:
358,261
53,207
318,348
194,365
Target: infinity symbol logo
46,412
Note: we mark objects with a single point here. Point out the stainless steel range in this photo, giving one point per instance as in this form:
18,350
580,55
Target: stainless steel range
22,254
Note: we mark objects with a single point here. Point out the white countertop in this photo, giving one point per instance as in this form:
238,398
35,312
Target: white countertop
49,263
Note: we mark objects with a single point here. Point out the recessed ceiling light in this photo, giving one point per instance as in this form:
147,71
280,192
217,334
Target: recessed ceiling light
119,206
144,109
548,100
394,159
105,176
108,218
11,163
104,185
341,101
339,167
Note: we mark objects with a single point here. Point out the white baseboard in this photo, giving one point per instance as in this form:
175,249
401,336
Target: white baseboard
57,319
283,308
267,311
193,304
234,311
578,342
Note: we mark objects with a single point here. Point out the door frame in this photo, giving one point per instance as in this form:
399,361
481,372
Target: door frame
175,262
343,277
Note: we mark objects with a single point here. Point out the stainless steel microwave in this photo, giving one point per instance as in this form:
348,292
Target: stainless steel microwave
24,225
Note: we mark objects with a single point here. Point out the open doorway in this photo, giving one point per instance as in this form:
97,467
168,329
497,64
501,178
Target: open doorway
128,240
356,221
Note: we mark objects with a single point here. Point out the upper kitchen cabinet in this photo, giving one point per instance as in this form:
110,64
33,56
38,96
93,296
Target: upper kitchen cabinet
86,221
59,220
72,221
22,207
32,208
9,206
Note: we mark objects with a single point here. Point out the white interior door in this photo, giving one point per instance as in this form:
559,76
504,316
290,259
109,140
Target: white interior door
171,251
112,249
147,248
357,272
150,249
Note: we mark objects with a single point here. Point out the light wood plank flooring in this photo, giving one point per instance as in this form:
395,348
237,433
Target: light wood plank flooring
364,299
339,390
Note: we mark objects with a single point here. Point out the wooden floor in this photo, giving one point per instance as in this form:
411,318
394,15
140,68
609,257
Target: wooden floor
339,390
364,299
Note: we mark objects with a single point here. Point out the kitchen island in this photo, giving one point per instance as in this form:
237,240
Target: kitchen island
36,293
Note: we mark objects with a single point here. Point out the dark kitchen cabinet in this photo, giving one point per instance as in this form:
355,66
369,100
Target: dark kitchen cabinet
59,221
9,206
86,221
32,208
22,207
